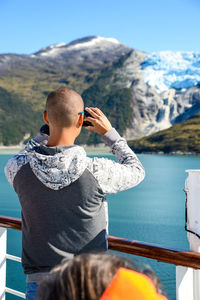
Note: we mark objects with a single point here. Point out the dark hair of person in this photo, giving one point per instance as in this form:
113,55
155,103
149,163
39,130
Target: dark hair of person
85,277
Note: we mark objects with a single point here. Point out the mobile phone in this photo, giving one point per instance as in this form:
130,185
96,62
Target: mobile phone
87,123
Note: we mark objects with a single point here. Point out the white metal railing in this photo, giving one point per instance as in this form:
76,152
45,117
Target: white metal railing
187,263
3,257
189,279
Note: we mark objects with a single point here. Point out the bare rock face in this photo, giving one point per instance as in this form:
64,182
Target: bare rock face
188,103
147,112
153,111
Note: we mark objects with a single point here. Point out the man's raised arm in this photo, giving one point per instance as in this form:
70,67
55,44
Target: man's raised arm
112,176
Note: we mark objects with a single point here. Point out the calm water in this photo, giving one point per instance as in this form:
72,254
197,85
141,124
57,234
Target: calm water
152,212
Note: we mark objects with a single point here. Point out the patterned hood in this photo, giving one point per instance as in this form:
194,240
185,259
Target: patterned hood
57,167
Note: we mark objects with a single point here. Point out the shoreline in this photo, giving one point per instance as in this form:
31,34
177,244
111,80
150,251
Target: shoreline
98,150
172,153
90,150
10,149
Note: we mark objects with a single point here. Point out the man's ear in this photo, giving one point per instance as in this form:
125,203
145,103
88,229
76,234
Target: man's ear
80,120
45,118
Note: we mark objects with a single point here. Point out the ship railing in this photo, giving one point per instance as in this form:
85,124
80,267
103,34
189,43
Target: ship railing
182,259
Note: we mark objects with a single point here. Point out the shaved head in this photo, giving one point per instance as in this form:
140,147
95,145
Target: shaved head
63,106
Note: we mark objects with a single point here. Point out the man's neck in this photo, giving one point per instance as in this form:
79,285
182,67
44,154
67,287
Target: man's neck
61,137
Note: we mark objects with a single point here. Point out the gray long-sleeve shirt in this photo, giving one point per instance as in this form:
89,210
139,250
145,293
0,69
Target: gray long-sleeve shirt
62,195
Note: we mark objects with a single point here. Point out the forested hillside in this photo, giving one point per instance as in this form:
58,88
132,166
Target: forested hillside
183,137
17,118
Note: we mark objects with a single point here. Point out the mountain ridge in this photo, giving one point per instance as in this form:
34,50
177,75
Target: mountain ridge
103,71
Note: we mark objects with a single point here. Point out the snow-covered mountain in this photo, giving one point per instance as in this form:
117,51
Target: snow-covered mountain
94,51
164,86
166,69
161,70
88,44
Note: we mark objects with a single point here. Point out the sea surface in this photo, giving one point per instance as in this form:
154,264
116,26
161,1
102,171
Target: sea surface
153,212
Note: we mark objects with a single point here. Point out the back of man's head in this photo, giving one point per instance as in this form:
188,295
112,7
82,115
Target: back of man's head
63,106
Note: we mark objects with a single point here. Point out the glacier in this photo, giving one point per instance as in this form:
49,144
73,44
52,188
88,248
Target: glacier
167,69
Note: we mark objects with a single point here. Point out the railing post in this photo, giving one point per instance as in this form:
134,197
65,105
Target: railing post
184,283
188,280
3,243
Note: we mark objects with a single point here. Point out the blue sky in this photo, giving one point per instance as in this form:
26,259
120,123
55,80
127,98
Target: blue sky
27,25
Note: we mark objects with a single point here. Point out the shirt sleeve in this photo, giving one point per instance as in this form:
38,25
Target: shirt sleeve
15,163
114,176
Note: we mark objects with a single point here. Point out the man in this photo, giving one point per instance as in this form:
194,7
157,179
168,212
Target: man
62,191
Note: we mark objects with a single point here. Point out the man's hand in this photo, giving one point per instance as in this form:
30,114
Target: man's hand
99,121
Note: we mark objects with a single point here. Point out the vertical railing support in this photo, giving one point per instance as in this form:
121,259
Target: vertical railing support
184,283
188,280
3,243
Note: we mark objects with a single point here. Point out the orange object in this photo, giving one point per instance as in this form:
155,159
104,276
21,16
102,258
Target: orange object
131,285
